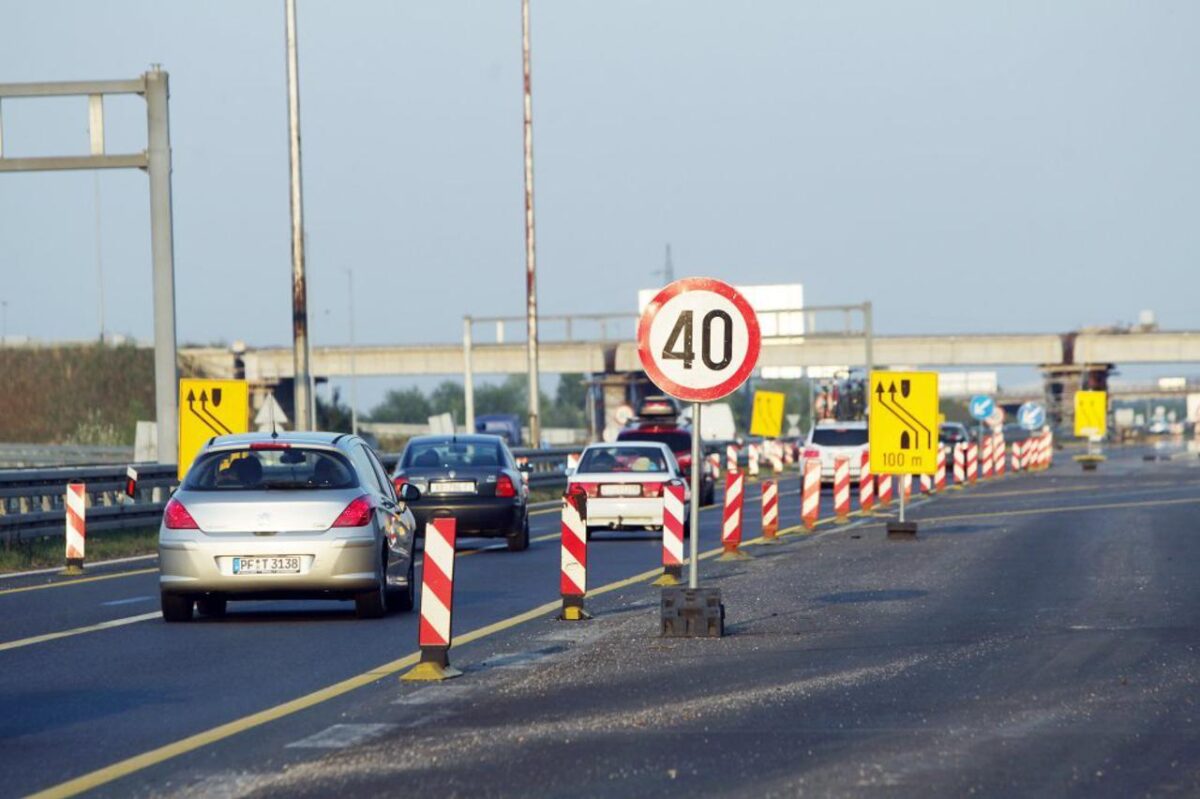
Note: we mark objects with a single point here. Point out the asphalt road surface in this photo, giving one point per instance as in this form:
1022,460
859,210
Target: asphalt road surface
1040,638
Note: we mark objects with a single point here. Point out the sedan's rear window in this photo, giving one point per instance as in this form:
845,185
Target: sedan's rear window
840,436
293,468
449,454
676,441
622,459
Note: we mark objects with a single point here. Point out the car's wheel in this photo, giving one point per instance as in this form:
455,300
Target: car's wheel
403,599
176,607
519,541
213,606
372,604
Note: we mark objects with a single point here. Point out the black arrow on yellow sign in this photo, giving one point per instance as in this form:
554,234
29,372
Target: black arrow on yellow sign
205,415
906,417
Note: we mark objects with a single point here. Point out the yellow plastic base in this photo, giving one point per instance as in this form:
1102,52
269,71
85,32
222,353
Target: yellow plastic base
430,672
573,613
72,571
735,554
772,540
666,579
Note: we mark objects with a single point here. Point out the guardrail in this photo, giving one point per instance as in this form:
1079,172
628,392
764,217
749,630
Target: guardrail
31,500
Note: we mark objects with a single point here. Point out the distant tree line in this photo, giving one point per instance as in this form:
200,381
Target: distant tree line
414,406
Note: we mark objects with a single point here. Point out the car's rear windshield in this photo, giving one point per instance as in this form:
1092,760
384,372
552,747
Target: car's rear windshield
676,440
294,468
840,436
622,459
451,454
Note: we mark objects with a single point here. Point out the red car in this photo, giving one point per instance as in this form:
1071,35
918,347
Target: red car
678,438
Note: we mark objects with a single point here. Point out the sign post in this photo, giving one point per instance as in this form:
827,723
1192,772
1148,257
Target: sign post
902,431
698,341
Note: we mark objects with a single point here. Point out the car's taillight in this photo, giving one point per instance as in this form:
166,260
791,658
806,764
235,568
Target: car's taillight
176,517
356,514
652,489
269,445
505,487
684,460
812,453
591,489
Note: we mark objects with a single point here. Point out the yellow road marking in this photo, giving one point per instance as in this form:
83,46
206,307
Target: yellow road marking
91,628
80,581
1071,509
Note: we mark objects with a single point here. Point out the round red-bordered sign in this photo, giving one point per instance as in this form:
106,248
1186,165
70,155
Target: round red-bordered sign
699,339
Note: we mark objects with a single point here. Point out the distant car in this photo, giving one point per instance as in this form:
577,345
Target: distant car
830,439
678,439
505,425
624,484
472,478
287,516
1015,432
953,433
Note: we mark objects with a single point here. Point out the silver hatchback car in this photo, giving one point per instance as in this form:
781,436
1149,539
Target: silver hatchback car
286,516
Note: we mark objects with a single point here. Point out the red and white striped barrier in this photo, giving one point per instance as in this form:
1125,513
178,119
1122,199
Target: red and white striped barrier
76,511
810,493
1049,456
752,457
960,465
841,489
906,485
672,549
866,482
789,454
731,457
1016,456
884,488
775,455
572,582
985,457
437,602
731,521
770,510
972,462
714,463
927,484
939,474
1000,455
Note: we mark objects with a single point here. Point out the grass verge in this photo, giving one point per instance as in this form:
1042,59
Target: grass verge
47,552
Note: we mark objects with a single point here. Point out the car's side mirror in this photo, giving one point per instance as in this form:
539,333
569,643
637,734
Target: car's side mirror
409,493
525,467
568,470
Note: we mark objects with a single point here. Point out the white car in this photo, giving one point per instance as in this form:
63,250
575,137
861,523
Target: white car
624,483
830,440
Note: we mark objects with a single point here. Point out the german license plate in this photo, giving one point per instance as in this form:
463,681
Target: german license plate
460,487
621,490
284,564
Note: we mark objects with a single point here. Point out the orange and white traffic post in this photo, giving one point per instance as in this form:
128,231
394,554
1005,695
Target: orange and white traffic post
841,490
884,488
810,494
752,457
906,486
714,463
1000,455
76,511
939,474
776,457
770,511
1016,456
573,574
866,483
985,457
731,457
960,465
972,462
672,548
437,603
926,484
731,522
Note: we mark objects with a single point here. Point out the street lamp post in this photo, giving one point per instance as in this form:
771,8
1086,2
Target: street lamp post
353,357
303,410
535,431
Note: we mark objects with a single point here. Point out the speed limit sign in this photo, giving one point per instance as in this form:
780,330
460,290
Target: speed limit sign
699,339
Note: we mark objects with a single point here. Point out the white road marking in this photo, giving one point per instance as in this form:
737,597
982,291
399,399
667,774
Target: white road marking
128,601
435,693
91,628
340,736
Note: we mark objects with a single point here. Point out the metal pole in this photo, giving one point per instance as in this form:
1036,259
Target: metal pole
303,409
694,521
353,360
535,432
468,377
166,375
902,499
869,336
99,254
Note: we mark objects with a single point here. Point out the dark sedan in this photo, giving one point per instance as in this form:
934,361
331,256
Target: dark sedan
472,478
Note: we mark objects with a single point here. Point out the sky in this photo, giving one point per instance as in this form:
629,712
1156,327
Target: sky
968,167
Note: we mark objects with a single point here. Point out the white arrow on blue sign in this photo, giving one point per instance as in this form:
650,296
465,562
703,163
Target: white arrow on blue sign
982,407
1031,416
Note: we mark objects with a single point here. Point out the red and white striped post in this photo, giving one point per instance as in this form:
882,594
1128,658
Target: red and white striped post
789,454
985,457
1016,456
776,457
752,456
906,486
810,494
731,458
76,512
437,602
960,465
573,577
731,525
866,482
770,510
1000,455
972,462
1049,448
885,490
926,484
714,463
939,475
672,549
841,490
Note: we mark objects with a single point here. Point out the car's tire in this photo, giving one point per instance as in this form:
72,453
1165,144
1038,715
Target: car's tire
176,607
402,600
372,604
519,541
709,496
212,606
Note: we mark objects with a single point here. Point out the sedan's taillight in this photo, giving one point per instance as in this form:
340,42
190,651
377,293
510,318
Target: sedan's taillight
356,514
591,489
652,489
176,517
812,453
505,487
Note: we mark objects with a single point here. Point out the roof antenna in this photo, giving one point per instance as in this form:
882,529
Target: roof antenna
274,427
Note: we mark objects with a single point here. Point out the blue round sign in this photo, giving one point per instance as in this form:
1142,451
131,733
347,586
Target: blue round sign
1031,416
982,407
